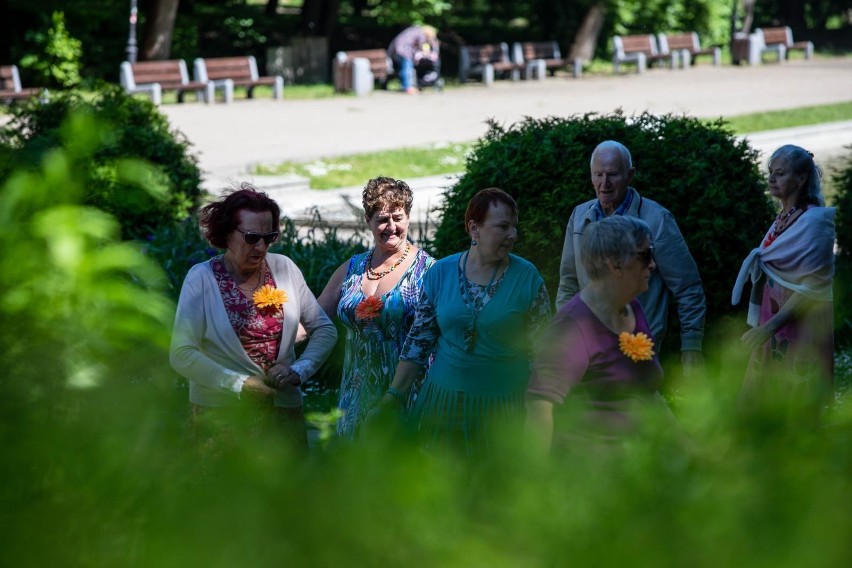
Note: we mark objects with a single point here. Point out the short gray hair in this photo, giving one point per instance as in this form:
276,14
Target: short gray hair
626,158
614,238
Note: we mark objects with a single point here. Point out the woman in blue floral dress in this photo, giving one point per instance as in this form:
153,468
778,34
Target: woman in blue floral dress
374,295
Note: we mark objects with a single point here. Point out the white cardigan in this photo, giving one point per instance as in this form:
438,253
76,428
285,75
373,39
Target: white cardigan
206,350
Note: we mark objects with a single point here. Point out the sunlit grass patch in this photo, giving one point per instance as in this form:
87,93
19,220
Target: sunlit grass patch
356,169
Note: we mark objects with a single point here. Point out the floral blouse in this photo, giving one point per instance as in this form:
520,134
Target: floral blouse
259,330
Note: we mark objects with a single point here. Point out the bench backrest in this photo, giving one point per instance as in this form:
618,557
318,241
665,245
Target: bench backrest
378,59
168,72
672,42
482,54
530,50
644,43
237,68
9,78
774,36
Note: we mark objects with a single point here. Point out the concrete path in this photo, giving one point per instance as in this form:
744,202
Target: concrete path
230,139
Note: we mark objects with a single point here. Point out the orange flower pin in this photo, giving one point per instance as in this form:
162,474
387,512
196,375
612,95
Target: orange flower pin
369,308
269,297
637,346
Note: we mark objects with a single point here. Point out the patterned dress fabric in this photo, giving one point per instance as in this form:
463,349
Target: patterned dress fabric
474,391
373,345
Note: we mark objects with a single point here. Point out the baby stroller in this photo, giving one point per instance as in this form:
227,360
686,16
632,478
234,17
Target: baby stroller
427,67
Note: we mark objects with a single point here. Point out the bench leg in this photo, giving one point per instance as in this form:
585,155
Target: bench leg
577,70
488,74
278,88
362,76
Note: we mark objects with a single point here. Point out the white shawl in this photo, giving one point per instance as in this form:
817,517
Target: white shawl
801,259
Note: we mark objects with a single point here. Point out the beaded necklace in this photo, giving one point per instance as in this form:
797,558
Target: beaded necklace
373,275
778,227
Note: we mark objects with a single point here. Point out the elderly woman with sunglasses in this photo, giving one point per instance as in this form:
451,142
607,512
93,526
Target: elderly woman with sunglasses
237,320
600,347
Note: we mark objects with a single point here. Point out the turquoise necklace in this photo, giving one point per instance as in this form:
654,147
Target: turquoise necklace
470,331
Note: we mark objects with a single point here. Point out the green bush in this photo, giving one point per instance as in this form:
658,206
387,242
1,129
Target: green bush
58,55
138,130
700,172
842,182
95,471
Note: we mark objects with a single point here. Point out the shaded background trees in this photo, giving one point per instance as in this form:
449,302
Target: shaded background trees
192,28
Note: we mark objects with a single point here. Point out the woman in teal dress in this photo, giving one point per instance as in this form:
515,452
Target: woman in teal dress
374,294
478,313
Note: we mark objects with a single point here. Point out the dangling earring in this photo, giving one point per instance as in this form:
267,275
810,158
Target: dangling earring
473,242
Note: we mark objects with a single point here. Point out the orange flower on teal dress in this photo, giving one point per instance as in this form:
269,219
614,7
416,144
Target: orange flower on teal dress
369,308
637,346
269,297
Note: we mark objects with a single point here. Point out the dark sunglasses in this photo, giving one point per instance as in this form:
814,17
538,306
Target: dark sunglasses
251,237
646,256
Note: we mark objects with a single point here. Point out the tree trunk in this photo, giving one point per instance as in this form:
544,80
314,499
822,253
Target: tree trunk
318,17
161,25
271,7
792,14
748,16
587,36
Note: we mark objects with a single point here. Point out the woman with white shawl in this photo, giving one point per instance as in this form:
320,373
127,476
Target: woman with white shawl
790,309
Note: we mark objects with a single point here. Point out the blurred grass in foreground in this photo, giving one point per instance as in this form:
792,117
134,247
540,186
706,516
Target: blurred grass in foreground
98,473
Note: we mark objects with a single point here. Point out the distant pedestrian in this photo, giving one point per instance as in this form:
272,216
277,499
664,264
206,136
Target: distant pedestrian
415,53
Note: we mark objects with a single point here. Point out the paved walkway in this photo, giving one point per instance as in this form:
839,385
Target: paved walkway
230,139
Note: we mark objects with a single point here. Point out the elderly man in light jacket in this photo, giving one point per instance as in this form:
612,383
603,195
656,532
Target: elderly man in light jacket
676,274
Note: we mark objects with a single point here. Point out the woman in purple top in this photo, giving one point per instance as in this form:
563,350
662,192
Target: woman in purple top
601,349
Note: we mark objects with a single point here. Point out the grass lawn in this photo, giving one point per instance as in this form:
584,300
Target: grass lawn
437,159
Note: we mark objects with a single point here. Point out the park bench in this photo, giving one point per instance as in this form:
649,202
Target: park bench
539,57
487,61
780,41
10,85
688,46
154,77
228,72
360,70
640,50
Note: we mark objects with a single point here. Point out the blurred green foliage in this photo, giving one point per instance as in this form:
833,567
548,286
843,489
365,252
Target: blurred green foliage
699,171
138,130
57,55
96,470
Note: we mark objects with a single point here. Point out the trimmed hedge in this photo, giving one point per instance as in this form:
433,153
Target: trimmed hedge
136,129
708,179
843,279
